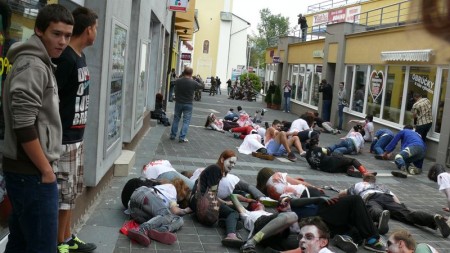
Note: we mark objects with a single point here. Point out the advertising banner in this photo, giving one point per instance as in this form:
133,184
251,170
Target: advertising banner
178,5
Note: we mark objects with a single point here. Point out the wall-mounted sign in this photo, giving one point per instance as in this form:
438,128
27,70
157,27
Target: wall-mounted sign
276,59
376,84
178,5
186,56
318,54
336,16
319,19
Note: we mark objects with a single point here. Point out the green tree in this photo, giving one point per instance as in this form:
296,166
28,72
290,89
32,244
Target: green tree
269,29
254,78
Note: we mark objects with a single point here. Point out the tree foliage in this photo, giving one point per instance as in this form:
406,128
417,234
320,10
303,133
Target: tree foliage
270,28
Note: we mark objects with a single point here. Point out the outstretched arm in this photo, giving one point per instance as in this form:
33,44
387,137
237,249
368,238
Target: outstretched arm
237,203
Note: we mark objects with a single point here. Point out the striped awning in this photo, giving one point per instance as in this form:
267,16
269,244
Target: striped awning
409,55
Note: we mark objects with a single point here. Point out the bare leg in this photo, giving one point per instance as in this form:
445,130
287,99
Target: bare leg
294,140
282,139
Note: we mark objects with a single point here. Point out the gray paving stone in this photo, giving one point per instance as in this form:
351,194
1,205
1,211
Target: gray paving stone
203,149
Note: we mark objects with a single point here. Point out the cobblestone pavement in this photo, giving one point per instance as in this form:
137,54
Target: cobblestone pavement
204,147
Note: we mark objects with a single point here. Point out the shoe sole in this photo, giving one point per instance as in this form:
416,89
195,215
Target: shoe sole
354,174
399,174
442,226
233,243
383,223
139,237
374,250
346,246
379,157
162,237
84,250
263,156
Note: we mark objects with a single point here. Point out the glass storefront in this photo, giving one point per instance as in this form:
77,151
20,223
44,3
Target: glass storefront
305,79
386,91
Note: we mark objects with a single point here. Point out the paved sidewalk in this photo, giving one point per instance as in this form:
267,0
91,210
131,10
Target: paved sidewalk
204,147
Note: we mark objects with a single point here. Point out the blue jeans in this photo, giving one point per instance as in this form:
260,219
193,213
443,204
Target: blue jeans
326,110
344,147
411,154
378,146
33,222
304,30
186,110
341,116
231,116
161,219
287,101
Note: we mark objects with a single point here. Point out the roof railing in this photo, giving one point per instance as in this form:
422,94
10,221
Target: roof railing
331,4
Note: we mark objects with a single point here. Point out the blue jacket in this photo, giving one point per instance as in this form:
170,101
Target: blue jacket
408,138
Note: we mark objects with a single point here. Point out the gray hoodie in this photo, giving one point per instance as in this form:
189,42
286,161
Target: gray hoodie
30,106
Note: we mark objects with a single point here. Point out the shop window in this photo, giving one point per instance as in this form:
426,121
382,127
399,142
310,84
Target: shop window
420,80
349,75
294,80
358,89
440,104
394,93
206,46
375,91
308,83
301,81
317,77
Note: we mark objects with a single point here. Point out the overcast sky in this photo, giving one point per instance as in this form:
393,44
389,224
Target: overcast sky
249,9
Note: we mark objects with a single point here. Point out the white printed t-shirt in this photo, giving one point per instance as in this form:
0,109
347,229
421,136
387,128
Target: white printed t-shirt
443,181
155,168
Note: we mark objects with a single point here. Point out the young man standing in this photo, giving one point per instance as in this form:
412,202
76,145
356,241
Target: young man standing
33,133
184,93
73,87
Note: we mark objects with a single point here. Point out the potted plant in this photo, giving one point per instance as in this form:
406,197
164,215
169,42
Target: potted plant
276,99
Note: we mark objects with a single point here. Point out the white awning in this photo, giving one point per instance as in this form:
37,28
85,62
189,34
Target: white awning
410,55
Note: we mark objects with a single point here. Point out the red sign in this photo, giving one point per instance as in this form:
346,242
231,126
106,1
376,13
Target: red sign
186,56
337,16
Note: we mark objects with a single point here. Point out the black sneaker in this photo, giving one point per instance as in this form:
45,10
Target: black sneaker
291,157
376,247
77,245
248,247
352,172
442,225
383,222
399,174
345,243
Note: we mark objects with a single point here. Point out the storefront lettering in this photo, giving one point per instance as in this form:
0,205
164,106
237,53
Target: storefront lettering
423,82
5,67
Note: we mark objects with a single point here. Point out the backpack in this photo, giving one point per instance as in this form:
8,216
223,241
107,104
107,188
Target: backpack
207,206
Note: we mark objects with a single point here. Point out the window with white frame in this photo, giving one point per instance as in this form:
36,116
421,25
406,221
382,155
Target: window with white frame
386,91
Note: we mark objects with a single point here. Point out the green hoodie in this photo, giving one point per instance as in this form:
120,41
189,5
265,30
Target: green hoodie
31,106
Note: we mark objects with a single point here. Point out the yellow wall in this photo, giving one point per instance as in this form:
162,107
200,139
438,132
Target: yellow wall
303,52
209,22
365,48
332,52
275,53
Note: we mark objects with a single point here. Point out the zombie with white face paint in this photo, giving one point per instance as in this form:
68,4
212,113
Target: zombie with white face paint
403,242
228,164
208,182
314,236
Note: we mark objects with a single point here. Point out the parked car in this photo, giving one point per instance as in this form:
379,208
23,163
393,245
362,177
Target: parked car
207,84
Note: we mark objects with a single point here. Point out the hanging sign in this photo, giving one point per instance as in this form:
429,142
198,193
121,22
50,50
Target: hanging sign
178,5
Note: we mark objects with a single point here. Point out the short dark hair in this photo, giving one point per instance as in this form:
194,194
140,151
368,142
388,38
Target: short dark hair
324,232
435,170
83,17
188,71
52,13
369,118
275,122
